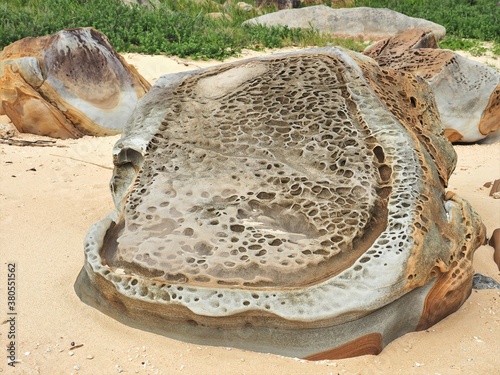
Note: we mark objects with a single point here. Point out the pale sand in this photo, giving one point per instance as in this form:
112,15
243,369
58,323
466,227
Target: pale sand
46,212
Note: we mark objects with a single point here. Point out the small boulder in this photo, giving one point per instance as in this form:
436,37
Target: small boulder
363,22
67,85
245,6
279,4
467,92
219,16
7,129
480,282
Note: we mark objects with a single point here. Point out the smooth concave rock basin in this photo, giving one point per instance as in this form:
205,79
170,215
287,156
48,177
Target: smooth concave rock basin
292,204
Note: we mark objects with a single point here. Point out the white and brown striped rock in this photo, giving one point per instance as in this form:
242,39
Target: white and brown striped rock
67,85
292,204
467,92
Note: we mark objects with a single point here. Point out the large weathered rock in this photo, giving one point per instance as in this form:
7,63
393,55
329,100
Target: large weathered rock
362,22
467,92
67,85
292,204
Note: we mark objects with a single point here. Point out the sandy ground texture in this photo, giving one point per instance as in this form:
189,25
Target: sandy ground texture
50,196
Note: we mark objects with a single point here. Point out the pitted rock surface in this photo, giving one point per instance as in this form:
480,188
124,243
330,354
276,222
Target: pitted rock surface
292,204
399,44
67,85
275,205
359,22
467,92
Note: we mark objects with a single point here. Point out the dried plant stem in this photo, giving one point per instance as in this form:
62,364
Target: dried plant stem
83,161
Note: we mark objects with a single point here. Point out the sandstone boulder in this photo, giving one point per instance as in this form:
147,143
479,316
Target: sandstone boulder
292,204
467,92
362,22
67,85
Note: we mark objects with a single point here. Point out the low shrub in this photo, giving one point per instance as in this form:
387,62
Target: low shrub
472,19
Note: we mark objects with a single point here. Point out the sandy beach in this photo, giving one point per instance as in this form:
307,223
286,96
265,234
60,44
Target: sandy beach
50,196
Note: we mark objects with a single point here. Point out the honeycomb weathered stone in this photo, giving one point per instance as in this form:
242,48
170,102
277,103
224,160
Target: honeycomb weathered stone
292,204
467,92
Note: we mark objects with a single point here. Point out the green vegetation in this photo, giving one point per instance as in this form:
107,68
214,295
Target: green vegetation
184,27
474,46
172,27
468,22
472,19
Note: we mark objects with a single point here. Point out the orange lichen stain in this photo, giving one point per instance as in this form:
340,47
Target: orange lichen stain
495,243
489,122
452,135
454,280
443,300
367,344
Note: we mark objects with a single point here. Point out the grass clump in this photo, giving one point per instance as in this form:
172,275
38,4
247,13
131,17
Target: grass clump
473,46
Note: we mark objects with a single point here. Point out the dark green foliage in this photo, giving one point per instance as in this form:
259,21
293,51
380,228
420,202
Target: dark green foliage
474,19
